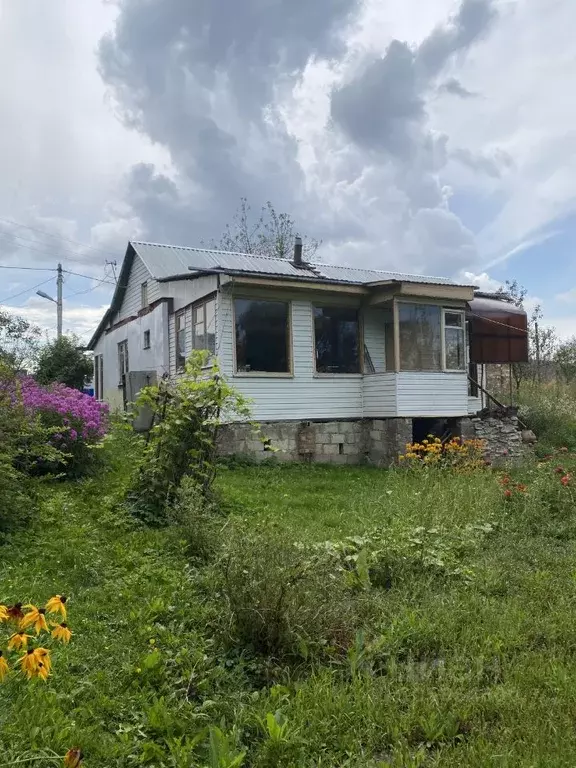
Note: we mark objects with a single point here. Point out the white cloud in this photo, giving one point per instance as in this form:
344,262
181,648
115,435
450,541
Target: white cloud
483,281
79,319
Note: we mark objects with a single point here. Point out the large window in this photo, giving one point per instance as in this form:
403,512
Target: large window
431,338
99,377
180,341
262,336
204,326
123,365
337,332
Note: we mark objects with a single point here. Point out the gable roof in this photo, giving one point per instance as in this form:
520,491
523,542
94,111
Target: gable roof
173,262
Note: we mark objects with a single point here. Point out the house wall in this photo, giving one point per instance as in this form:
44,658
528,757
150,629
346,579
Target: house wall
132,302
425,394
379,395
140,359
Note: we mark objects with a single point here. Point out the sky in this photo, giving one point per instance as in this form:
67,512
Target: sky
437,138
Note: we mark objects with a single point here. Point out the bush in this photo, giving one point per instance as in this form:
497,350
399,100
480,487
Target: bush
76,422
62,361
285,599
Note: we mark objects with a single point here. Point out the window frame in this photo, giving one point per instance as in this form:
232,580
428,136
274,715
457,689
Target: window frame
123,361
99,377
180,360
361,341
203,305
144,294
443,311
146,340
289,339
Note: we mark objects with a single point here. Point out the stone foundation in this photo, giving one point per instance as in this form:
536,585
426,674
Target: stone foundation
506,443
375,441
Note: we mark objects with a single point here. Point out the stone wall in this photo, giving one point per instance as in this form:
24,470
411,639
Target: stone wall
506,442
377,441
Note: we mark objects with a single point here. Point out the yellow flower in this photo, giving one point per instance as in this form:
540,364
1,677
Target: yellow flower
73,758
36,617
4,615
62,632
57,604
29,663
4,668
42,656
18,641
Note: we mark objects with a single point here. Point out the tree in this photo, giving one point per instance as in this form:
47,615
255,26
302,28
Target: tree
63,361
20,341
271,234
541,340
565,359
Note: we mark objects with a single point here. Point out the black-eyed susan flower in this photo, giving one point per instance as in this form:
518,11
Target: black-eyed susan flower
4,668
57,604
15,612
36,617
43,660
4,615
28,663
62,632
18,641
42,671
73,758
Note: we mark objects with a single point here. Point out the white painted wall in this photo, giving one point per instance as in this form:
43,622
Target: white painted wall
132,302
379,395
139,359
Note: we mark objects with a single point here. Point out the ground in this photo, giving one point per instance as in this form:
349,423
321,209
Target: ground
467,658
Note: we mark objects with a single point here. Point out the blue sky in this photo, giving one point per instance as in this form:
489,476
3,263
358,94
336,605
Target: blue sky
434,137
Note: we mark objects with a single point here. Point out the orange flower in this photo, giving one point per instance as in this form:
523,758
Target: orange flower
507,493
62,632
73,758
36,617
505,480
4,615
521,487
566,479
57,604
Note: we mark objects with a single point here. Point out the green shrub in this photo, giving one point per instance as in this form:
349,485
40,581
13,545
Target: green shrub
285,598
198,519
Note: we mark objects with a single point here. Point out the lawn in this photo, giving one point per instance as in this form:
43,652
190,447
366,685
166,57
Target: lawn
464,654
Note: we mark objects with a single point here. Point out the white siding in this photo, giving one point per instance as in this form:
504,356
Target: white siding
132,302
379,391
375,338
432,394
186,292
139,359
474,404
303,396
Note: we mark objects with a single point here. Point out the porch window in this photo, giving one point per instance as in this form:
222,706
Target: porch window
420,337
123,365
431,338
180,341
337,331
204,326
454,341
262,336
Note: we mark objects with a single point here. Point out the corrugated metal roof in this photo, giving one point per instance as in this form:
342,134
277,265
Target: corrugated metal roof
165,261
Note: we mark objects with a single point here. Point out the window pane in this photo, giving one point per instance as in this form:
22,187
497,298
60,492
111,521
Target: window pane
454,349
261,336
144,295
453,319
420,337
211,326
180,341
337,340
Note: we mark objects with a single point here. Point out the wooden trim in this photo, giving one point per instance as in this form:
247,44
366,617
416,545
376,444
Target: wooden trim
396,329
427,290
299,285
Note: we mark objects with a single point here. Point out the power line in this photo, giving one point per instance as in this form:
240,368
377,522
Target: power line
57,237
32,269
88,277
33,288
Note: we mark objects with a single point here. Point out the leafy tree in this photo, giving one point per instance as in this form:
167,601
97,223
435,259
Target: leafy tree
542,340
565,359
271,234
20,341
63,361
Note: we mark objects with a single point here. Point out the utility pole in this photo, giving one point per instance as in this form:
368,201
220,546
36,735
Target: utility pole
59,282
113,265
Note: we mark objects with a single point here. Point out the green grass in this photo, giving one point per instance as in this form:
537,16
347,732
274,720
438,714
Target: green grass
448,671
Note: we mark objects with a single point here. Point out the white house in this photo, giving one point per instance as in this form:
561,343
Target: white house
323,351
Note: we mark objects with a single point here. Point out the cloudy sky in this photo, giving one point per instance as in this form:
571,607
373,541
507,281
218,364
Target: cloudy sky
435,137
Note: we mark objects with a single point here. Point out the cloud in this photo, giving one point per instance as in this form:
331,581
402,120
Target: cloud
567,297
483,281
455,88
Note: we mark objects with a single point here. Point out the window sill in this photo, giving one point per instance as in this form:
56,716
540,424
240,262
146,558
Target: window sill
338,375
422,370
262,375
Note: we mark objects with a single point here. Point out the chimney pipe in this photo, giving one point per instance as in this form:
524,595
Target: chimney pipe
297,251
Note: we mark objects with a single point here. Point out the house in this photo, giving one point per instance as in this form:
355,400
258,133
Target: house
339,362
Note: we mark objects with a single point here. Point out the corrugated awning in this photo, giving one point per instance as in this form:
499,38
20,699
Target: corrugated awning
498,331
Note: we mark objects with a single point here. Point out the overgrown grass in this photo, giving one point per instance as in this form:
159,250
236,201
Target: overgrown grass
447,666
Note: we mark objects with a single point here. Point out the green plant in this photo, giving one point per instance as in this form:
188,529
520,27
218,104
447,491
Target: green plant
222,752
62,361
187,413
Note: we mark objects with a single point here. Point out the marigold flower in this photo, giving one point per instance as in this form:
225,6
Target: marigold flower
18,641
28,663
36,617
4,615
508,493
57,604
73,758
62,632
566,479
4,668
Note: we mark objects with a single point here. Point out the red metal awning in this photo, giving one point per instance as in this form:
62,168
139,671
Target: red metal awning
498,331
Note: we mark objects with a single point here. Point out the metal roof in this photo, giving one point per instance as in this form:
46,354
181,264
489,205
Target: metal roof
168,261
